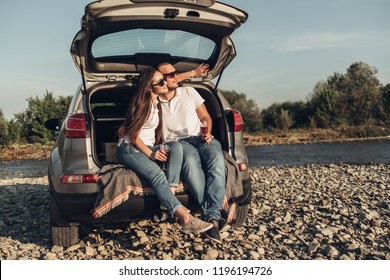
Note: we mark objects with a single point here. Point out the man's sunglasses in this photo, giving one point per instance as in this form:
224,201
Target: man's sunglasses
170,75
160,83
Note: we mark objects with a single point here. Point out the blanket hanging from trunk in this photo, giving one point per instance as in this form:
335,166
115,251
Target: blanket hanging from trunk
116,183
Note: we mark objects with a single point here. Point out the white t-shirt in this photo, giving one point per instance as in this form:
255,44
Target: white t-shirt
179,115
148,130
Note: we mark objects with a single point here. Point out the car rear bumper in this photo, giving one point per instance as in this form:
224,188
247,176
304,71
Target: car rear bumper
73,203
76,208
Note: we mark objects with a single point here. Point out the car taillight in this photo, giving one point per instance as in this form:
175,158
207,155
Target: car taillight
242,166
238,121
79,179
75,126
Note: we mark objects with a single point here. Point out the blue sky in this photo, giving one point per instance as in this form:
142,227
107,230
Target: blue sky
284,49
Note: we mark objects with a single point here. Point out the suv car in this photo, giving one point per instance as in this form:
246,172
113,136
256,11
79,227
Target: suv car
119,38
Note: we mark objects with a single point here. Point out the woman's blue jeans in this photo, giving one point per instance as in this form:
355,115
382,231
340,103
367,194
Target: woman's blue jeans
204,171
138,162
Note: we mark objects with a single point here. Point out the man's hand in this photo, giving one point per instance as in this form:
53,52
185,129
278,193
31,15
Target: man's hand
202,70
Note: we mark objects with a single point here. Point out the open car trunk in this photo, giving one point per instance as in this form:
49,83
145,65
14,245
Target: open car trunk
120,37
109,104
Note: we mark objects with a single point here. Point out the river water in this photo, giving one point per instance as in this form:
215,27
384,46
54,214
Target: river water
352,152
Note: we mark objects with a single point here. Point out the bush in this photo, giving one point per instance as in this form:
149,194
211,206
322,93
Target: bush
248,108
3,129
364,131
284,121
32,120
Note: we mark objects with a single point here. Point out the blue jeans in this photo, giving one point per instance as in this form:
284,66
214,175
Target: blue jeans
204,171
151,171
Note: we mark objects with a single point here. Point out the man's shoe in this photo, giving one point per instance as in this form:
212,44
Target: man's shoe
213,233
196,226
223,224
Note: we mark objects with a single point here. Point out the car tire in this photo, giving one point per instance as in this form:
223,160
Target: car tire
65,236
62,232
241,214
236,214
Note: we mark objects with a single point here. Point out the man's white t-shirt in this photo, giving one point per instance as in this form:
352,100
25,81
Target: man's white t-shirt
179,115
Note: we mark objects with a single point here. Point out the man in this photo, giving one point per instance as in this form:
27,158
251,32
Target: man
183,110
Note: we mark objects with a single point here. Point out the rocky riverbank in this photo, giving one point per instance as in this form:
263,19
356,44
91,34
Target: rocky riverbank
37,151
306,212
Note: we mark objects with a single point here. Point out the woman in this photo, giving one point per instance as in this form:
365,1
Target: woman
137,150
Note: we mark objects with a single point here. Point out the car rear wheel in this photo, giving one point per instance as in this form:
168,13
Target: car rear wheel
241,214
62,232
65,236
236,214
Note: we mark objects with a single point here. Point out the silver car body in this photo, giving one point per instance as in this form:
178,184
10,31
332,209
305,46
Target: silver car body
101,50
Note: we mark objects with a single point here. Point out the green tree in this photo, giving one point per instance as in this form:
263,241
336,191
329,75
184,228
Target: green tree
324,103
293,114
14,132
40,110
3,129
362,93
353,98
325,113
297,111
248,108
270,115
299,114
385,96
284,120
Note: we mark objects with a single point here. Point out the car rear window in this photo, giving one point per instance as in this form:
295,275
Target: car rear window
177,43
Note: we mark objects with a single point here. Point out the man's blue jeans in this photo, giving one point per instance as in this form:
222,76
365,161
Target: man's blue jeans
138,162
204,171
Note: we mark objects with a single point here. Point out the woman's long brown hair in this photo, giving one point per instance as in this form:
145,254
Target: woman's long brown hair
139,108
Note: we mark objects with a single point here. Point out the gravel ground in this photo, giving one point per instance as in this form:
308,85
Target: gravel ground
305,212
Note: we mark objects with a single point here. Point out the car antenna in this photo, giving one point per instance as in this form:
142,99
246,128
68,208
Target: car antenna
84,89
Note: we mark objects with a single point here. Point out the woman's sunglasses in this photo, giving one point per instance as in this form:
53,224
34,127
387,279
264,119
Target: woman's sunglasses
160,83
170,75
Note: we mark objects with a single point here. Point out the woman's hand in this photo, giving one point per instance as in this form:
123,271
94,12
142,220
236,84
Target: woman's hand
207,137
159,155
